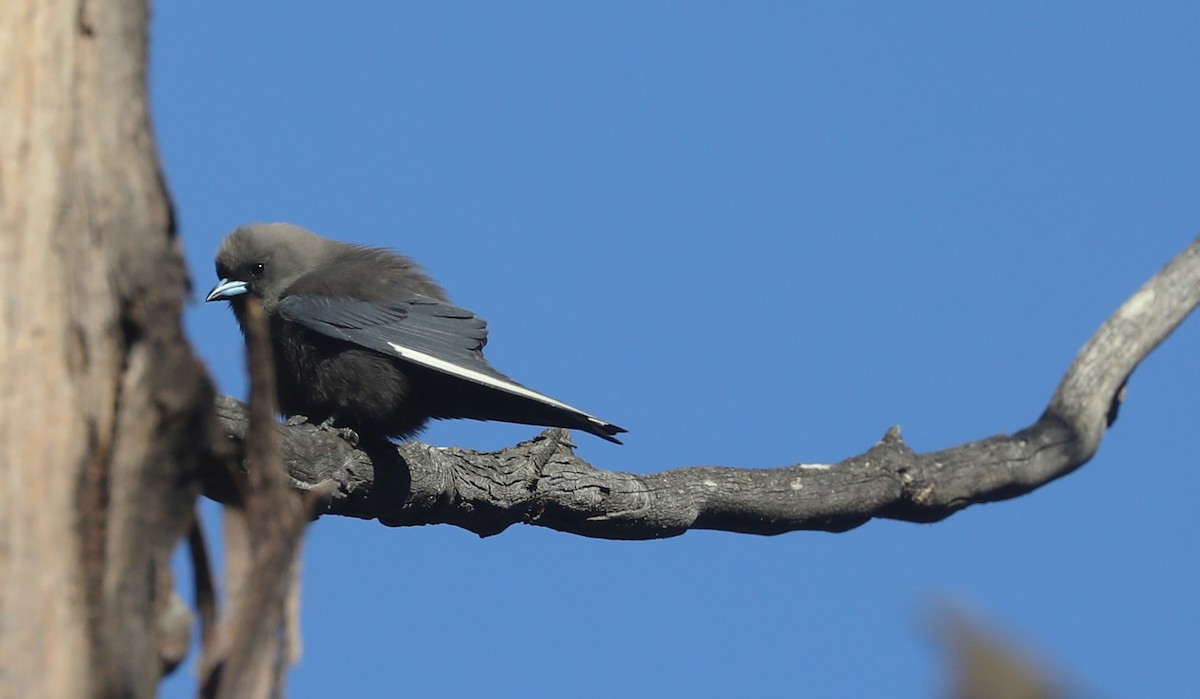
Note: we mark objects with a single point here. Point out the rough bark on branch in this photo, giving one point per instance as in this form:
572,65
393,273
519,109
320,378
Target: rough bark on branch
542,482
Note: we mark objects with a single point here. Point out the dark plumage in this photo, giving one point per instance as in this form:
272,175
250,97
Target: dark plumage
365,340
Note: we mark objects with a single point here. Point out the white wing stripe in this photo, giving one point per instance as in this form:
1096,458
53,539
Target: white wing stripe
433,362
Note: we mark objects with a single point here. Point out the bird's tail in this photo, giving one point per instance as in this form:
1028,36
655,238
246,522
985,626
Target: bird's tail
509,401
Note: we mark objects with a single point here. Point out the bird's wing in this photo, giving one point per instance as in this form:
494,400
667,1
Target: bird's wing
441,337
420,330
416,326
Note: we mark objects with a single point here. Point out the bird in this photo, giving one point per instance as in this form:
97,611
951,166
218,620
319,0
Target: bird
363,339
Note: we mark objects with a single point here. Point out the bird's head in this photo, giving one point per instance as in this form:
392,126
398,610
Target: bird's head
263,260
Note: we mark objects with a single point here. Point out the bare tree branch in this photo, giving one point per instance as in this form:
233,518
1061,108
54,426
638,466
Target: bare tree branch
542,482
204,586
264,531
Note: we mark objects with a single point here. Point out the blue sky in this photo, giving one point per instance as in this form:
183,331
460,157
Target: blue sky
753,234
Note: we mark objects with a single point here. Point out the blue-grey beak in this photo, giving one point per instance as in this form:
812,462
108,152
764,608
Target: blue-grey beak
226,289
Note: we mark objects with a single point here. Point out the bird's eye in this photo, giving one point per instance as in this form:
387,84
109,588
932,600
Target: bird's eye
257,269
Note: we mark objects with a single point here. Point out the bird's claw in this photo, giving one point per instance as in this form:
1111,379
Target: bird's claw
345,433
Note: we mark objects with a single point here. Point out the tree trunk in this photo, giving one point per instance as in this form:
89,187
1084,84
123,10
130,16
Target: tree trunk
102,427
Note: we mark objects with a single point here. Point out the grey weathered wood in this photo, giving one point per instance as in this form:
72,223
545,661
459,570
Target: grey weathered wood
104,418
542,482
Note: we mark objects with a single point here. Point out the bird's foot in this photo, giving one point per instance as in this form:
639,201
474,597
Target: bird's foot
345,433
